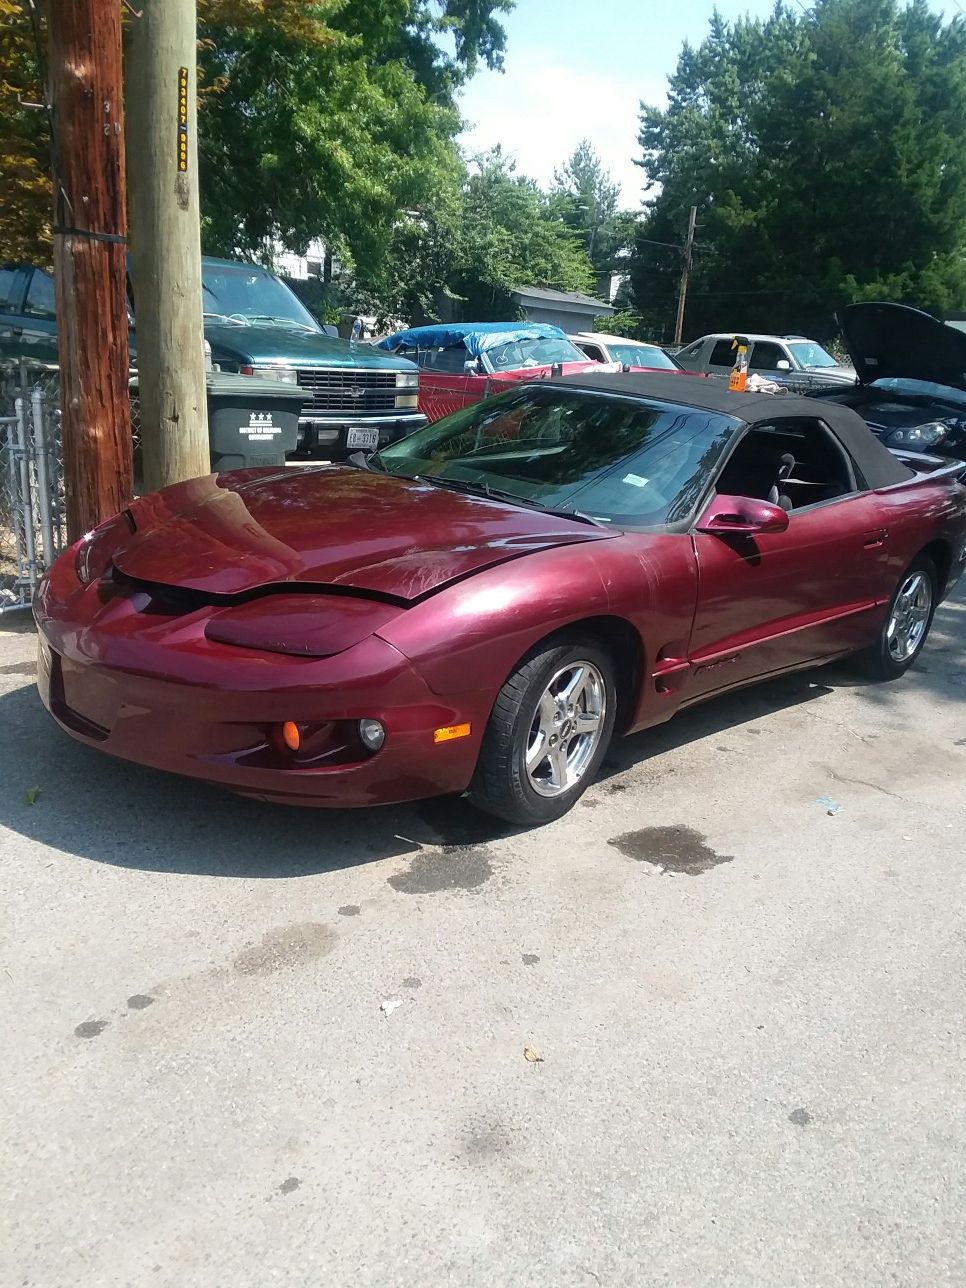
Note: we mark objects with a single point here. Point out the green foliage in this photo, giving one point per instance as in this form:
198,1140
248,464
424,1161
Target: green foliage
316,119
626,323
499,232
826,152
25,192
585,198
333,136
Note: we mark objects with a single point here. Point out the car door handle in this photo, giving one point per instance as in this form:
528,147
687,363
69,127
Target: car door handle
873,540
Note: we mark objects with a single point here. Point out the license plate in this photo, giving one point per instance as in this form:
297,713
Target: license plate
365,438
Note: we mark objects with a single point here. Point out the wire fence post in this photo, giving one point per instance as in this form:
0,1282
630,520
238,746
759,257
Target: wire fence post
42,463
31,484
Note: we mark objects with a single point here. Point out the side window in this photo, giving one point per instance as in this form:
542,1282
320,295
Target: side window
7,276
449,360
766,356
723,355
413,354
691,352
593,351
792,463
40,296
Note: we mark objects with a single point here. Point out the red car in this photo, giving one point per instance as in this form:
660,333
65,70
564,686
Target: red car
488,601
463,362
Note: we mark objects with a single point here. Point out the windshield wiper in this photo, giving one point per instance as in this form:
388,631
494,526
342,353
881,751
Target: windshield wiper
499,494
277,318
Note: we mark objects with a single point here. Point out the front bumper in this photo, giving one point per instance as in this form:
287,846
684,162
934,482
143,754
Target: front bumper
325,438
114,688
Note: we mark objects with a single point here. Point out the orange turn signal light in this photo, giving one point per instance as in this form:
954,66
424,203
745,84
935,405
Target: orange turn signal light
449,732
291,735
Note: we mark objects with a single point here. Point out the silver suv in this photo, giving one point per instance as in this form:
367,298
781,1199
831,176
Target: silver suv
791,360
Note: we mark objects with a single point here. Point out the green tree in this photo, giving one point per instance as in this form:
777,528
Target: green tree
586,199
512,237
316,119
333,134
25,193
826,152
497,233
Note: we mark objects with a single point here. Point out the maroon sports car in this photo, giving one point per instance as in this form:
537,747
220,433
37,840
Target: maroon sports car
481,606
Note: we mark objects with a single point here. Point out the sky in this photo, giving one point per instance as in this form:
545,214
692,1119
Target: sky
579,68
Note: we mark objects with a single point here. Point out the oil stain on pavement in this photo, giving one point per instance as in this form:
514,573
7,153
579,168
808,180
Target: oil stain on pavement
90,1028
302,941
434,870
680,850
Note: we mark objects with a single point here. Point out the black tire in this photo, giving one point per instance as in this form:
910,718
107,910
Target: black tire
501,784
880,662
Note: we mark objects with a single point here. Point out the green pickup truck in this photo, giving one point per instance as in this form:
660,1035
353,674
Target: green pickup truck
361,398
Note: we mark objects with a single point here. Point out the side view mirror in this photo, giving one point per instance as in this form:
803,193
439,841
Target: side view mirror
471,366
783,365
742,516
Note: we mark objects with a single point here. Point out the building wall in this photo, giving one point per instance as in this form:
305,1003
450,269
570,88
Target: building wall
302,267
567,319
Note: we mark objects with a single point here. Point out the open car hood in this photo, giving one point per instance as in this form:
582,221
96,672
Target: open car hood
897,342
333,527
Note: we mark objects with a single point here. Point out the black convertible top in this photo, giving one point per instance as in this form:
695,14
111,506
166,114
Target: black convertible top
876,463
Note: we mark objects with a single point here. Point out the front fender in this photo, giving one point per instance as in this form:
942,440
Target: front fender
471,636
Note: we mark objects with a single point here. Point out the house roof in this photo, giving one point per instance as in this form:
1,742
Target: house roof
568,301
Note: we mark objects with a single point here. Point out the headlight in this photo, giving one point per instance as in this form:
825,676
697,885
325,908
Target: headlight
920,437
95,551
407,379
287,375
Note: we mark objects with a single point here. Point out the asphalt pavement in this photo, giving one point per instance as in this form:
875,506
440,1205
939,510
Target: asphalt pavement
708,1029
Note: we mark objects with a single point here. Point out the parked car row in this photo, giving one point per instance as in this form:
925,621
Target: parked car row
358,398
460,363
908,378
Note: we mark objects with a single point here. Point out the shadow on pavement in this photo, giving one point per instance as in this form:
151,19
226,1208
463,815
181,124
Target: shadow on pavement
114,812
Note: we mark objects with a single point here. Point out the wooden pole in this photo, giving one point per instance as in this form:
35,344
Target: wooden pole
166,240
90,269
685,274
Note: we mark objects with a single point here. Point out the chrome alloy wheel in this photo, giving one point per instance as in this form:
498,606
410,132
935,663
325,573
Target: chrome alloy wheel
566,728
910,616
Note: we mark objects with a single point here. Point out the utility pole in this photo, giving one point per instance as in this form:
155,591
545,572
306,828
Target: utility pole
166,240
685,274
90,271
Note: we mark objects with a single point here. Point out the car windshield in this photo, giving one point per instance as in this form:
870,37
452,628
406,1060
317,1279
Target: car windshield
642,355
922,390
247,296
614,459
517,354
810,354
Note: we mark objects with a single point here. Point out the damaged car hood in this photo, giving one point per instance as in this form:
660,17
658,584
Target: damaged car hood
335,527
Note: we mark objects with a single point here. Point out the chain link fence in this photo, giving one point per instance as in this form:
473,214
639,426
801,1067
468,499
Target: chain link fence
32,505
32,530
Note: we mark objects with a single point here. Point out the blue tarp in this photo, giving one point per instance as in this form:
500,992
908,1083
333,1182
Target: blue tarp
476,336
